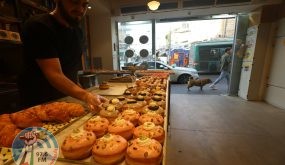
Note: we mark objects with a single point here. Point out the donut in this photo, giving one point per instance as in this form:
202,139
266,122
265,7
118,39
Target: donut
131,115
151,117
133,104
144,151
109,113
78,144
153,107
109,149
150,130
97,125
122,127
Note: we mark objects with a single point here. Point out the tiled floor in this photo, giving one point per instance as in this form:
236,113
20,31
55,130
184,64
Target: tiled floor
222,130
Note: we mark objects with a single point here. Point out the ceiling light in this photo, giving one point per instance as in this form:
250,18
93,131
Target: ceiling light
153,5
89,7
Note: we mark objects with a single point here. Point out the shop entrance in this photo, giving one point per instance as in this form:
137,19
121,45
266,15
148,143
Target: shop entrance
179,43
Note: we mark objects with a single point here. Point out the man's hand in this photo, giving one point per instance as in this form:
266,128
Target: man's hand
94,100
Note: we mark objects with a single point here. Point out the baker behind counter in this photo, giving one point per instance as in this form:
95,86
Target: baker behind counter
52,56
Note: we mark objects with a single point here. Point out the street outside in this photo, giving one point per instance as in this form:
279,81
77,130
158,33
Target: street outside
182,88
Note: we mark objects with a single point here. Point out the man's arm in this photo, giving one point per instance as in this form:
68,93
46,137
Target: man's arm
52,70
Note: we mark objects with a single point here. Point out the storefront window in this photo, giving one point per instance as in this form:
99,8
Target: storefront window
175,42
135,42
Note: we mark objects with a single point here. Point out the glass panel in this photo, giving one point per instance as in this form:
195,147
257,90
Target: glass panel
193,44
135,42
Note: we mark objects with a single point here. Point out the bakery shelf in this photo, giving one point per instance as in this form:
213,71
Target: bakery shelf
67,129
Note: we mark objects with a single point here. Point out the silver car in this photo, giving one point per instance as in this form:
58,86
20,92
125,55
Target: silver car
181,74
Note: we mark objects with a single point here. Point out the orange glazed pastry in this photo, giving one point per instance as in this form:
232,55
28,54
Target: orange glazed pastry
74,109
144,151
122,127
150,130
151,117
4,120
109,149
8,134
97,125
24,119
133,104
109,113
78,144
153,107
131,115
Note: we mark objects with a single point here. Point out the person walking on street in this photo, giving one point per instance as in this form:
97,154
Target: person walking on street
225,68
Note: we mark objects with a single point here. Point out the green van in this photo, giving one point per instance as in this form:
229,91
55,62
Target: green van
205,55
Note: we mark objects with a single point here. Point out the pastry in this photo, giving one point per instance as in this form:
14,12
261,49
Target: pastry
74,109
117,103
146,95
128,94
122,127
24,119
97,125
153,107
141,100
133,104
78,144
56,112
151,117
8,134
4,120
144,151
150,130
109,113
104,86
109,149
159,101
131,115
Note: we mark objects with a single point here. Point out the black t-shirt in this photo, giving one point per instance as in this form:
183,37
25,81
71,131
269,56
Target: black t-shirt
43,38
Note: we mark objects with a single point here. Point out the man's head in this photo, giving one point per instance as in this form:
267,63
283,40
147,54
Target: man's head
72,11
228,50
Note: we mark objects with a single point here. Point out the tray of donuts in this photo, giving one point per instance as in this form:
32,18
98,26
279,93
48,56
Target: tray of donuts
127,130
54,116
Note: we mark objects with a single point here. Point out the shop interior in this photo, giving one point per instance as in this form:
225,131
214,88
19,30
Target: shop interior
240,123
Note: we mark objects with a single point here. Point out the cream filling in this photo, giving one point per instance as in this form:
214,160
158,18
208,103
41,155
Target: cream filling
148,126
144,141
152,104
120,121
77,134
129,112
151,113
115,101
111,108
107,137
96,118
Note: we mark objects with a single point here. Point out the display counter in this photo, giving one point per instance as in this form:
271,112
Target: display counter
115,90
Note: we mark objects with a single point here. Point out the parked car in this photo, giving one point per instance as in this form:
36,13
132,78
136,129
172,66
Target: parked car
181,74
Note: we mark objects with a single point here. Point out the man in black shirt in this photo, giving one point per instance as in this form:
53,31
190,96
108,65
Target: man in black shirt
52,56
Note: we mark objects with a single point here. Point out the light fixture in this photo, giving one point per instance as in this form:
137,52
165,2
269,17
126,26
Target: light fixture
153,5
